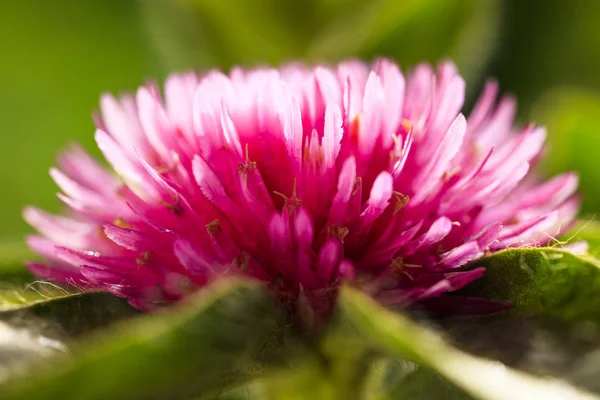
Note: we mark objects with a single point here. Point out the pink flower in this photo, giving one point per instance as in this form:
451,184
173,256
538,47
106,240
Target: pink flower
300,178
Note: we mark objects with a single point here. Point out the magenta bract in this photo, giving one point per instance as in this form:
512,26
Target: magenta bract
301,178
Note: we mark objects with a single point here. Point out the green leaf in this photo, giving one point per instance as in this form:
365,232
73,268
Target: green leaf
423,384
21,347
573,122
251,391
391,378
220,338
14,297
480,378
67,314
41,319
535,344
542,281
321,373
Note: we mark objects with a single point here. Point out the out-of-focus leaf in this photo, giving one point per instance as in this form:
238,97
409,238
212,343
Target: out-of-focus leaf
411,31
308,379
361,25
20,347
573,120
539,345
543,281
203,33
41,319
392,378
13,297
480,378
554,324
587,370
328,371
535,55
222,337
67,313
227,32
247,31
173,26
250,391
423,384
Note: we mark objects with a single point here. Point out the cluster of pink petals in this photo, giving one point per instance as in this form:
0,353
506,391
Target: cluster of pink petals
301,178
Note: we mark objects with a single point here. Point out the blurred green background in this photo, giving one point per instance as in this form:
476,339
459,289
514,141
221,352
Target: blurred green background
59,56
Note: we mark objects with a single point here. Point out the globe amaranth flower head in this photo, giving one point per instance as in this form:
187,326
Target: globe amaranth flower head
301,178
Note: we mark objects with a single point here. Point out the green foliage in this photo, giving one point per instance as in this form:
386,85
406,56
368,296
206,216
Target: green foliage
543,281
40,321
540,345
480,378
231,333
14,298
219,339
415,384
67,311
330,368
62,55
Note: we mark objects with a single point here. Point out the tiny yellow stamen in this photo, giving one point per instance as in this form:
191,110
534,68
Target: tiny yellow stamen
449,174
512,220
396,150
356,186
397,267
292,202
401,201
213,227
319,156
406,124
355,129
171,167
175,206
121,223
338,232
186,285
247,165
144,258
242,261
